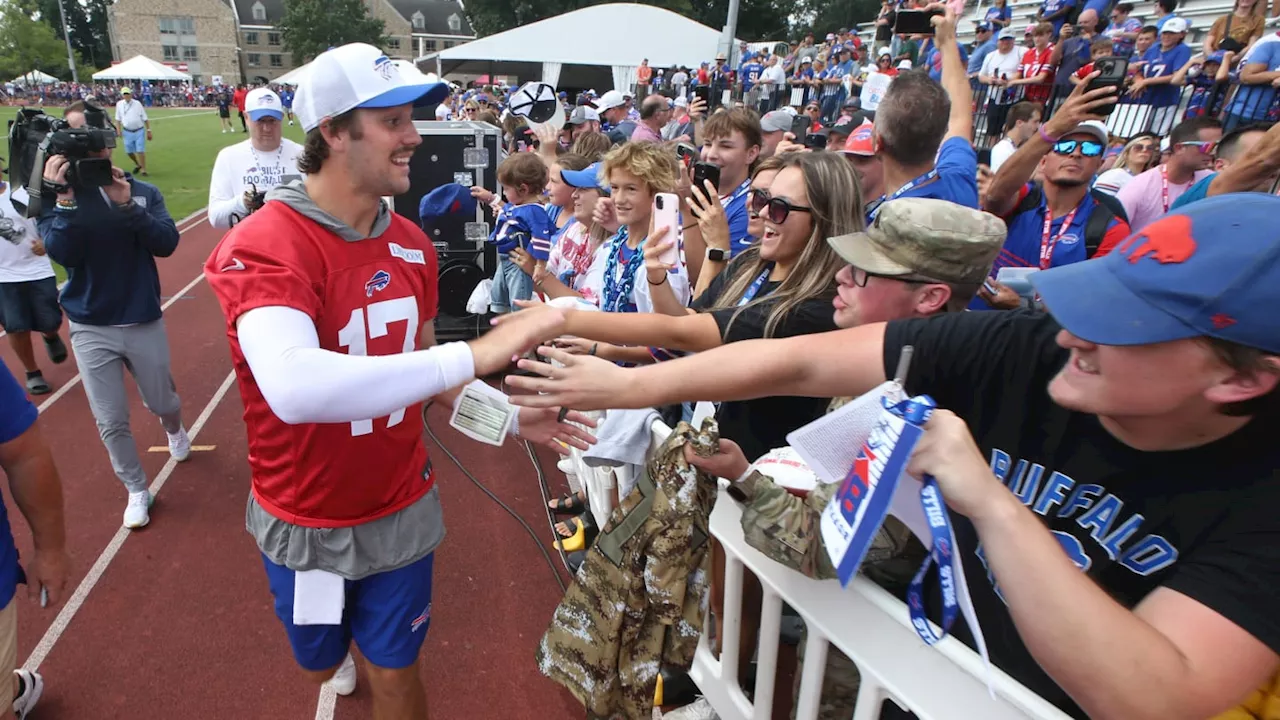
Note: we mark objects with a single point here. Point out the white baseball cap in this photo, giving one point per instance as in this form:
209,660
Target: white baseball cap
358,76
262,102
1174,25
609,100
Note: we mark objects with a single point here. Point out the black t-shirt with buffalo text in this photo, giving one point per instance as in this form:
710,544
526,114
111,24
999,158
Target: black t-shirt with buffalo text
1201,521
759,426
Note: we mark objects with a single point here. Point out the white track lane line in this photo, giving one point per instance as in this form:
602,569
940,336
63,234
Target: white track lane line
74,381
72,606
324,708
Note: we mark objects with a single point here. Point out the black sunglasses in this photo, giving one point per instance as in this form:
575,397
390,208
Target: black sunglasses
773,209
860,277
1088,148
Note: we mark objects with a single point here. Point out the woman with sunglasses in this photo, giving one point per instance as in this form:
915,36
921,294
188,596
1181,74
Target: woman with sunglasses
780,287
1059,221
1136,158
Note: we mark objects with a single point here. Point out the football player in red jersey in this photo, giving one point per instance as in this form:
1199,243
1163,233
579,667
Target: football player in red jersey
328,297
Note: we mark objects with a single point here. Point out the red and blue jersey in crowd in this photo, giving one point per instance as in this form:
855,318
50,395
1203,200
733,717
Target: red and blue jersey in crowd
17,415
750,72
523,226
1158,63
1067,245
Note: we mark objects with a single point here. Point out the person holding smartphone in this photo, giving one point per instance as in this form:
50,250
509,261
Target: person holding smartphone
1058,221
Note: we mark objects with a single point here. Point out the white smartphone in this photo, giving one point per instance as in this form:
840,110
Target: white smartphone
666,213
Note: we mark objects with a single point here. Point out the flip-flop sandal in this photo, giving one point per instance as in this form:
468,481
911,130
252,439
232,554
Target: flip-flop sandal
38,385
584,534
568,504
57,350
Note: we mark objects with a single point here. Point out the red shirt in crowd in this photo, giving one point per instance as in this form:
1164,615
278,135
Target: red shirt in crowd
1035,62
368,297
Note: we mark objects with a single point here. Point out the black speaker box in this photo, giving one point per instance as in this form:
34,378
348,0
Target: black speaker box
446,150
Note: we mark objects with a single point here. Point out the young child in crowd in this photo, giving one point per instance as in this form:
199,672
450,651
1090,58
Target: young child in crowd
522,227
1099,48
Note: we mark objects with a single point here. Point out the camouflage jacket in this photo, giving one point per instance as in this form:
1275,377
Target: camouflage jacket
638,600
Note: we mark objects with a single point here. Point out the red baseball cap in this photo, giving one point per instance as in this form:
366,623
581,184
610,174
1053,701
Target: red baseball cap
860,141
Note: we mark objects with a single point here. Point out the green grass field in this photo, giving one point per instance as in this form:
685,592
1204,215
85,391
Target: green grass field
180,155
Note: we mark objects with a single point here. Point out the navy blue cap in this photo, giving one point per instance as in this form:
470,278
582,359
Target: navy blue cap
1209,269
449,199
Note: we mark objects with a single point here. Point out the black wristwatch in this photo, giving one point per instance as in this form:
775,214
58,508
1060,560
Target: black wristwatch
717,255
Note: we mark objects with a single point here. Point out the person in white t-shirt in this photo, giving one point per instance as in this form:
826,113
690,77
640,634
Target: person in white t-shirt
28,292
258,164
133,125
444,111
1020,124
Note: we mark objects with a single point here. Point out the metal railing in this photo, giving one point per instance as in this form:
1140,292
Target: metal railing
865,622
1232,104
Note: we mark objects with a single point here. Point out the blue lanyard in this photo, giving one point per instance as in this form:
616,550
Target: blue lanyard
738,192
917,411
754,288
923,179
616,290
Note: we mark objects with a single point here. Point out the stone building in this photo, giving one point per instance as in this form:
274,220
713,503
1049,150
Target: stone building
239,40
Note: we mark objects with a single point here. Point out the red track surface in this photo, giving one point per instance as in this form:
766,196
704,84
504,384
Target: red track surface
180,624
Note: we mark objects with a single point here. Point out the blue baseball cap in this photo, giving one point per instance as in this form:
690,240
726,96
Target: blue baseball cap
450,199
1208,269
1216,57
590,179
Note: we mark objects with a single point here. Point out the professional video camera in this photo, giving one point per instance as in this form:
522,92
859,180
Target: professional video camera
35,136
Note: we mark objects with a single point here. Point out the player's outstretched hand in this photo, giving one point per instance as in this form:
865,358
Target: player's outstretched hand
582,382
496,349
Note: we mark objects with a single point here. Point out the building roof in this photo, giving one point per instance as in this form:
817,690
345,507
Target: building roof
435,14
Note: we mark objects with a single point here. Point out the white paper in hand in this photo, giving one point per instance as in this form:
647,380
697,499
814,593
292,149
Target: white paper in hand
830,444
483,414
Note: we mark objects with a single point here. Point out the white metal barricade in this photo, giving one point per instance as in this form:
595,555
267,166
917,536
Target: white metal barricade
864,621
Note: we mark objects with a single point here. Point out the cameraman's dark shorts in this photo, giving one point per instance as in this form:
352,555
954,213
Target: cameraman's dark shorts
224,112
30,306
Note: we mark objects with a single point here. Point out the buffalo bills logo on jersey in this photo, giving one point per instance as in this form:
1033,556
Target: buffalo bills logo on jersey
377,283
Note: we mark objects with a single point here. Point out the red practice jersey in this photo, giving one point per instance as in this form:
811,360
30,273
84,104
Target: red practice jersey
1035,62
369,297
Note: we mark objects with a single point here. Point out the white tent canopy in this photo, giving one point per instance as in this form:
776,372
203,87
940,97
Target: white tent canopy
140,67
293,77
35,77
618,36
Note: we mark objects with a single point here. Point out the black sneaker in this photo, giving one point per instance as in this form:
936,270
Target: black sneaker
37,385
136,169
56,348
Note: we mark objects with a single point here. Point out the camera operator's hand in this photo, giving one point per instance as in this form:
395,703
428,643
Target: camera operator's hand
37,247
119,191
55,172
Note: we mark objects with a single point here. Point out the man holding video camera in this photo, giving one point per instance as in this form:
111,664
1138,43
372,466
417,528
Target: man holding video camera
107,230
244,172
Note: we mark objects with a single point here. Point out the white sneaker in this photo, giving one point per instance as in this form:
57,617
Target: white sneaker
179,445
343,681
32,689
136,512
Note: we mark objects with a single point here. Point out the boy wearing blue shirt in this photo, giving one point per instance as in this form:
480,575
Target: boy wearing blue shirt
1154,87
522,226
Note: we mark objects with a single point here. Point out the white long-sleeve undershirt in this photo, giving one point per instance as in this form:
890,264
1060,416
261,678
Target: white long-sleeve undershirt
303,383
